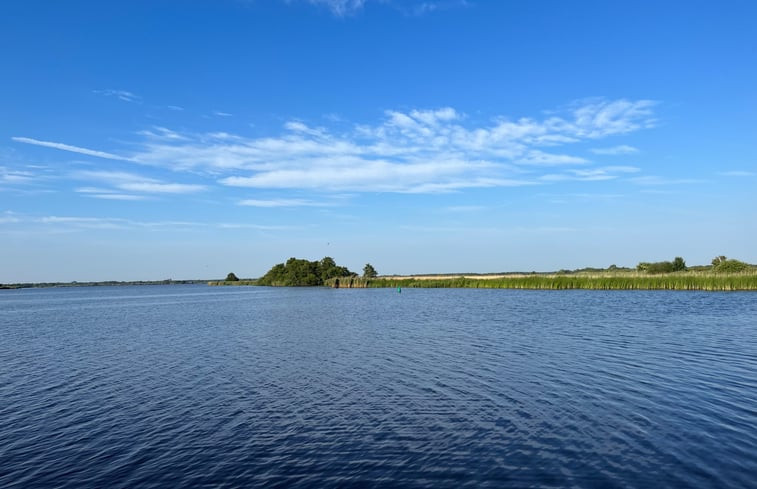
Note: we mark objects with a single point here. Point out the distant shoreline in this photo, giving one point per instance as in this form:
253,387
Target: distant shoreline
106,283
625,280
705,280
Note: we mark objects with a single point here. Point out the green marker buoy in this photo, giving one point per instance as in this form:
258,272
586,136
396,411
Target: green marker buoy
399,290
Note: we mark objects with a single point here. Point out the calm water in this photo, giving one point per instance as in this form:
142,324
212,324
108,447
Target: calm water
160,386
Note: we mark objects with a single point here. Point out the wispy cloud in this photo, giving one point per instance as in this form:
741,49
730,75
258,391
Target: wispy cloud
73,149
130,182
120,94
108,194
218,113
340,7
418,151
282,203
260,227
654,180
10,176
343,8
8,217
738,173
615,150
110,222
591,174
84,223
581,197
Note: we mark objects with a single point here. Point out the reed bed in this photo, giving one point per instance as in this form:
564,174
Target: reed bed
628,281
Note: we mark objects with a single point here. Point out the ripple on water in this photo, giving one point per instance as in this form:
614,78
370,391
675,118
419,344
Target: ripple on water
197,386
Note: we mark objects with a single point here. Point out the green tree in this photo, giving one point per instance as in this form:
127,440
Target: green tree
369,271
718,260
299,272
679,264
730,266
232,278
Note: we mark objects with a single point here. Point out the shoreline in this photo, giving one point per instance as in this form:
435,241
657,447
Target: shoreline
690,280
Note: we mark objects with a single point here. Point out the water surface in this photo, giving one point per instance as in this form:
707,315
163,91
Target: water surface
154,386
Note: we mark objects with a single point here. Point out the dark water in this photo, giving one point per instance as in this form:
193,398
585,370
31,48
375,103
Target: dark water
167,386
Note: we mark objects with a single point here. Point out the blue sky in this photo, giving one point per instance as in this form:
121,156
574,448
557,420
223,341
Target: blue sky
153,140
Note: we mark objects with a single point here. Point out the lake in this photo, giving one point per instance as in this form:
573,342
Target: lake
196,386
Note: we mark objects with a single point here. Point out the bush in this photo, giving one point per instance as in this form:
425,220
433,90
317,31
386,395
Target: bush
661,267
730,266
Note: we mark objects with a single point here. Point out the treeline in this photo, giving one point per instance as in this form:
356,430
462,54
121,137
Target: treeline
720,264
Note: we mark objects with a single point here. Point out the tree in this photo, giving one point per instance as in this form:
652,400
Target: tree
730,266
679,264
718,260
231,278
369,271
300,272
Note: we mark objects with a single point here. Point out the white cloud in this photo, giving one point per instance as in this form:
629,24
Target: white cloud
119,94
68,147
738,173
615,150
109,222
281,203
536,157
108,194
158,132
342,8
431,150
602,118
10,176
418,150
8,217
161,188
130,182
658,180
218,113
86,223
590,174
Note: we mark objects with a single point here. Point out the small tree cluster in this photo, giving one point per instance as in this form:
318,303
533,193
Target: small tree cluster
677,265
300,272
722,264
369,271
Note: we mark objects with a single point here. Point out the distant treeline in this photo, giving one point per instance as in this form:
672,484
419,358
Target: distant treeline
30,285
